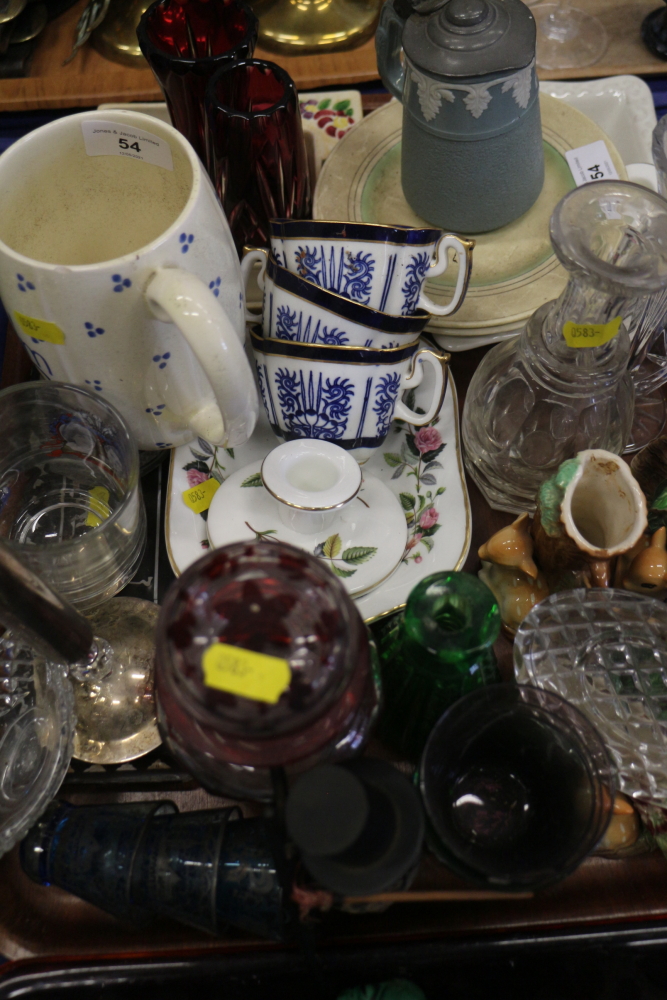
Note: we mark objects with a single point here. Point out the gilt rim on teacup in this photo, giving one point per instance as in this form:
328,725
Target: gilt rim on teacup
357,232
330,353
338,305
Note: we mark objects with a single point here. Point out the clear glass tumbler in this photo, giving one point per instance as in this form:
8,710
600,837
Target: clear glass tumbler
70,497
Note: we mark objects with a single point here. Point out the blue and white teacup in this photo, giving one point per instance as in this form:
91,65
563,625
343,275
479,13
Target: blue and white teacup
383,267
346,395
297,310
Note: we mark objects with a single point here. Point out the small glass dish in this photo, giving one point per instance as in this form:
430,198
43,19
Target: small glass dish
518,788
36,731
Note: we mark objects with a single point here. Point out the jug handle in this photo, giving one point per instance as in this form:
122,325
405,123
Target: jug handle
179,297
464,247
439,362
388,45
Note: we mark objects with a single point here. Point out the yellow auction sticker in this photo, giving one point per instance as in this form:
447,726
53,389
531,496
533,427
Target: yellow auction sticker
99,506
199,497
245,673
591,334
40,329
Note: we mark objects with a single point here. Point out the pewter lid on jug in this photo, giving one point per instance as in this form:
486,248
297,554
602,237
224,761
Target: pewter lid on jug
469,37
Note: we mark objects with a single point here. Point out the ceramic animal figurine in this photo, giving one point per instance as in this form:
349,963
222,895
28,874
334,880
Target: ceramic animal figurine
512,546
591,511
624,830
515,592
510,573
590,521
472,157
647,573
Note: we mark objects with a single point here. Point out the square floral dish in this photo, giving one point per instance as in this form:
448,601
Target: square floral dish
422,466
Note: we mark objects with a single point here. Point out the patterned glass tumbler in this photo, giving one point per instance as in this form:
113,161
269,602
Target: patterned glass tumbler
257,154
263,661
440,649
185,42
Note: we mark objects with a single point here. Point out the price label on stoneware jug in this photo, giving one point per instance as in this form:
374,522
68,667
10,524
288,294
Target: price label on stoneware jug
591,163
198,498
39,329
590,334
245,673
112,139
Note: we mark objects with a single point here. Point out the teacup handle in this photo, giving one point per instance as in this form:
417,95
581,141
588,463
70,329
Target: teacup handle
253,256
439,363
179,297
464,247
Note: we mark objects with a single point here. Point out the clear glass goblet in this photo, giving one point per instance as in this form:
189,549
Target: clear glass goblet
71,512
567,37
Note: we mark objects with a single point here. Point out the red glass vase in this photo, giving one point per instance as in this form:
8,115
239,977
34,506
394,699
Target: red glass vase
185,42
279,601
257,154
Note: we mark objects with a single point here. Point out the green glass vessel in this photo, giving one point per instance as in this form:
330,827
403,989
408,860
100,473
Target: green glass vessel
439,649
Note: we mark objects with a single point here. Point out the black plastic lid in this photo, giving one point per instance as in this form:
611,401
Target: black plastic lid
359,826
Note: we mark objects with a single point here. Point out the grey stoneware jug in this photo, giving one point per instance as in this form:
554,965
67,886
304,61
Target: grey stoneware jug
472,157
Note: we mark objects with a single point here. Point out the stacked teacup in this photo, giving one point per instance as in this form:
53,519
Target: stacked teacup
343,309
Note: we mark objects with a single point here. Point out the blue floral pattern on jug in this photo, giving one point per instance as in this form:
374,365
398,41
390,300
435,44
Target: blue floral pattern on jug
162,359
163,444
93,331
41,363
186,240
314,409
23,284
120,283
348,275
290,327
386,393
94,384
415,273
215,286
157,410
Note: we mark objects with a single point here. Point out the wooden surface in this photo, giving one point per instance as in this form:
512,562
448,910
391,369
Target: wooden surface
90,79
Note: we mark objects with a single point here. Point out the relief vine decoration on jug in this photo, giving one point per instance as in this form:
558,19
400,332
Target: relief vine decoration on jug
478,96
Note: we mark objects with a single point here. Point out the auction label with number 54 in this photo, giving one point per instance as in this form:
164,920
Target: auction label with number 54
591,163
104,138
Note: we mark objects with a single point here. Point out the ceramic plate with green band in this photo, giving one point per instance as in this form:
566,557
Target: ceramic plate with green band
514,268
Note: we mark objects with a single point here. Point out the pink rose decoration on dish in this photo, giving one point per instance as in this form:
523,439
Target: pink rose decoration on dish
195,477
428,518
415,540
427,439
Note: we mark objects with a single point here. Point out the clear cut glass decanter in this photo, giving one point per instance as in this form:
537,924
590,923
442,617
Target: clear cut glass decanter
563,386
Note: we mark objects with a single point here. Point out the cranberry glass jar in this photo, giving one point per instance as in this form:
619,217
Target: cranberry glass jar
278,601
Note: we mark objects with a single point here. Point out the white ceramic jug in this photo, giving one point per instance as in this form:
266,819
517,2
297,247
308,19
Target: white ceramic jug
118,272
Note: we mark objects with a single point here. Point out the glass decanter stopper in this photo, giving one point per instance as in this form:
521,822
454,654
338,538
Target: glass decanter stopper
563,385
438,650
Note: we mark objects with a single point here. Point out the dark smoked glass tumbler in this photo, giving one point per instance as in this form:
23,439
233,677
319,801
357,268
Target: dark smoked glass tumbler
257,154
185,42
